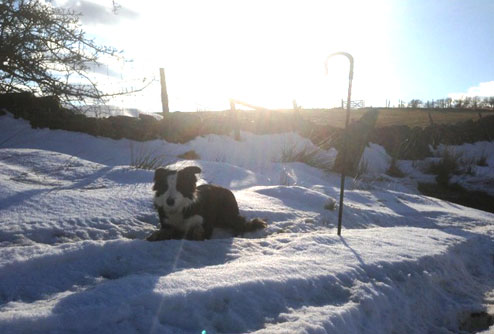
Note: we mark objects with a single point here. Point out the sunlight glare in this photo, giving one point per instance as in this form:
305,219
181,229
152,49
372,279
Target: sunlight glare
266,53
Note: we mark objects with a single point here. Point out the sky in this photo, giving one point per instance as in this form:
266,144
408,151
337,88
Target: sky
269,53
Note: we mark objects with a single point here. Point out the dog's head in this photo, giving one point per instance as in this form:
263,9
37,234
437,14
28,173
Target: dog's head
175,189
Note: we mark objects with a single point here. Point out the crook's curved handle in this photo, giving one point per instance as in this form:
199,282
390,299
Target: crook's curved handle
346,54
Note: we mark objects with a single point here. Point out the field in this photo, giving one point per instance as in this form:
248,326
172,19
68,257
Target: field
393,116
336,117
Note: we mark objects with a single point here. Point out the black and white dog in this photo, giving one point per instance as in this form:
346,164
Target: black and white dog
190,212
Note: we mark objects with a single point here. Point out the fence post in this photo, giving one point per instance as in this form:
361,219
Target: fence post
236,127
164,94
431,121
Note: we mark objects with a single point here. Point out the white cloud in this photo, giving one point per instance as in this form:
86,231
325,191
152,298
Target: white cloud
482,90
95,13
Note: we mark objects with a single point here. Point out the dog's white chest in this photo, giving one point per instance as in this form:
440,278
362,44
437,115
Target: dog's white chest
178,221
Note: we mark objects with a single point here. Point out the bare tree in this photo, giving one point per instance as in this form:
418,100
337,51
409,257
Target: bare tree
44,50
441,103
459,103
467,102
490,101
415,103
449,102
476,102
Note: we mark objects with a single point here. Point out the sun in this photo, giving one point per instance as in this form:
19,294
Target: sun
265,53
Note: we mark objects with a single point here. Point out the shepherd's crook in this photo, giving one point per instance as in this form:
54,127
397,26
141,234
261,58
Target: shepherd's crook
345,136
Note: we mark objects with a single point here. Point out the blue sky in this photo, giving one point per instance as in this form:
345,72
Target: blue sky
443,47
271,52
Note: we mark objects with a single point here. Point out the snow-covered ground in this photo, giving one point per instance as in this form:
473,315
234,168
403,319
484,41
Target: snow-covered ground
475,165
74,216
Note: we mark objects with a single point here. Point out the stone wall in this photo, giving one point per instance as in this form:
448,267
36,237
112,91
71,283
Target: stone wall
401,142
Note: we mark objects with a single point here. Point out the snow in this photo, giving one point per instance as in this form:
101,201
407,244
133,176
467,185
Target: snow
375,160
478,175
110,110
74,216
476,166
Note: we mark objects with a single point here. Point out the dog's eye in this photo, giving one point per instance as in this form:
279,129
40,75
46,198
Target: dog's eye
160,186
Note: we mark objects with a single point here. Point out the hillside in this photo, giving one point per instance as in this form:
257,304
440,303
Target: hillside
398,116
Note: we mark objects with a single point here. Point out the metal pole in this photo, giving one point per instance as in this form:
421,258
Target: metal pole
345,133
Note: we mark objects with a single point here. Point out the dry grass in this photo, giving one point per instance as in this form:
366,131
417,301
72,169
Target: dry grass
143,158
482,161
449,164
387,116
189,155
394,170
393,116
309,155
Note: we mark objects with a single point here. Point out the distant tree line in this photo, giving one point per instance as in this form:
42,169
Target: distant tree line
468,102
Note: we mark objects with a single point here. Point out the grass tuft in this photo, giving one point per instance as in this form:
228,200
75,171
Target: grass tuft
307,155
448,165
482,161
363,168
189,155
143,158
330,204
394,170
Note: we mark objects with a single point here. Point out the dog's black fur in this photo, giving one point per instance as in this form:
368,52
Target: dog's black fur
195,211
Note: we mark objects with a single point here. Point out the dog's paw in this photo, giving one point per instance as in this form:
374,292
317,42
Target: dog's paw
258,223
197,233
162,234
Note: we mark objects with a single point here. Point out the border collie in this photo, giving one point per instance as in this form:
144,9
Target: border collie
189,212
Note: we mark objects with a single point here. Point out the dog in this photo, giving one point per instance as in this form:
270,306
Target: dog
187,211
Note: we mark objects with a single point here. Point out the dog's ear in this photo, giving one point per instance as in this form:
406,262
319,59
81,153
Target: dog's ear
160,173
160,178
186,181
191,170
